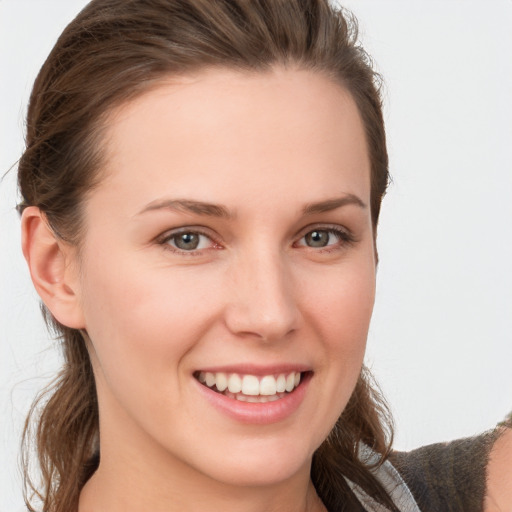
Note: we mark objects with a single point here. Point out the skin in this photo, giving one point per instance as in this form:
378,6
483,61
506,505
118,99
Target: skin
499,475
265,146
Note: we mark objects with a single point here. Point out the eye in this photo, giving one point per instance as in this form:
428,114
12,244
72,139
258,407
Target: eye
187,241
318,238
325,237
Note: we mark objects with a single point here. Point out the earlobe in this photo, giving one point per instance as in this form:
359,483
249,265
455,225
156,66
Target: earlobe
49,261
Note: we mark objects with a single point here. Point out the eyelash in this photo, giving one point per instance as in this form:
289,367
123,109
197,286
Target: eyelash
167,237
345,238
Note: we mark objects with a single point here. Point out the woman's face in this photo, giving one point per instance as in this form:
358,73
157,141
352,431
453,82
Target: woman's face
230,240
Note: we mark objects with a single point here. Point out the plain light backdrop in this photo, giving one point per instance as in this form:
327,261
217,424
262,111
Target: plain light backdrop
440,343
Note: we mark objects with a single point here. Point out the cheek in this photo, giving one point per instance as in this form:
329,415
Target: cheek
342,312
143,325
142,320
343,305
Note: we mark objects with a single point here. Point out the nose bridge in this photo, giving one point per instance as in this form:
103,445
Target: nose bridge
263,302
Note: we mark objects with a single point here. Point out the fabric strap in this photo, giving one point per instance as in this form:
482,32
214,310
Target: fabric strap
390,479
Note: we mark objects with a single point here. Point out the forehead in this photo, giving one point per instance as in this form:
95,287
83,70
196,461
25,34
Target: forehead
223,131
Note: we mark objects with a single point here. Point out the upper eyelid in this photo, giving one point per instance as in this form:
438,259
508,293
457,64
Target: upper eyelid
346,237
323,227
169,233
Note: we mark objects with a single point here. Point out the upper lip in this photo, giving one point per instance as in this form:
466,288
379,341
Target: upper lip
257,370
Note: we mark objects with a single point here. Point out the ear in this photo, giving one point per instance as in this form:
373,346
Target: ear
52,268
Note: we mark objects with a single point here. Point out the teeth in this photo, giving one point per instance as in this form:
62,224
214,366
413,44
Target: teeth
210,379
261,399
221,380
281,384
249,388
250,385
268,385
290,382
234,383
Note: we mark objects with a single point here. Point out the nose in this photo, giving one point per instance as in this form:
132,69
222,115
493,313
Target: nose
262,301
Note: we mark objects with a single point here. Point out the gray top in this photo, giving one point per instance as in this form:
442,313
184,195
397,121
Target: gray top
442,477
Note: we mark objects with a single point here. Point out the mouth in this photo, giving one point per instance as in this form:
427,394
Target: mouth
252,388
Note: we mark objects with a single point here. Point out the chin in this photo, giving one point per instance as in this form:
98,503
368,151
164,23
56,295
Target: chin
262,464
265,474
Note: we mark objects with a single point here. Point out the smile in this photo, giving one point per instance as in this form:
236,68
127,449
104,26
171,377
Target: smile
251,388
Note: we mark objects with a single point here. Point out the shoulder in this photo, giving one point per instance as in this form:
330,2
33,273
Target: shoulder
499,474
448,476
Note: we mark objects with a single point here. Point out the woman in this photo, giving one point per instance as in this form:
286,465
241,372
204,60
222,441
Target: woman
201,189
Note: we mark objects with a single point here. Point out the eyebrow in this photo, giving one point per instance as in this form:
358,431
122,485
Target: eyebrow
218,210
189,206
333,204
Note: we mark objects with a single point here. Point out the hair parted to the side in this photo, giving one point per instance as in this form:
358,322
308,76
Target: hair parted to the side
113,51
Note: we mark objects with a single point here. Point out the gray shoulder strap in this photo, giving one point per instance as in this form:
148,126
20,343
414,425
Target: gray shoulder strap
390,479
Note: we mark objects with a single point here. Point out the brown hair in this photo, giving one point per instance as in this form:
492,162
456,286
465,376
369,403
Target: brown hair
113,51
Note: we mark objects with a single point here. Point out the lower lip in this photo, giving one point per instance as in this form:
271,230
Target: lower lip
258,413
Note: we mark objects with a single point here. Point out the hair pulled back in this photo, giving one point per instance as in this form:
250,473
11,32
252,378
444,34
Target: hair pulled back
111,52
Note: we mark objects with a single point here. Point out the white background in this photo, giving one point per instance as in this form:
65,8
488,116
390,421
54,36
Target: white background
441,338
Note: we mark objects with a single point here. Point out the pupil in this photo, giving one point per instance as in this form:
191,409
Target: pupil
187,241
317,238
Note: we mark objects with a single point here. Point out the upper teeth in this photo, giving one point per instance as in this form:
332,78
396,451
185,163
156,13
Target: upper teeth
250,384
